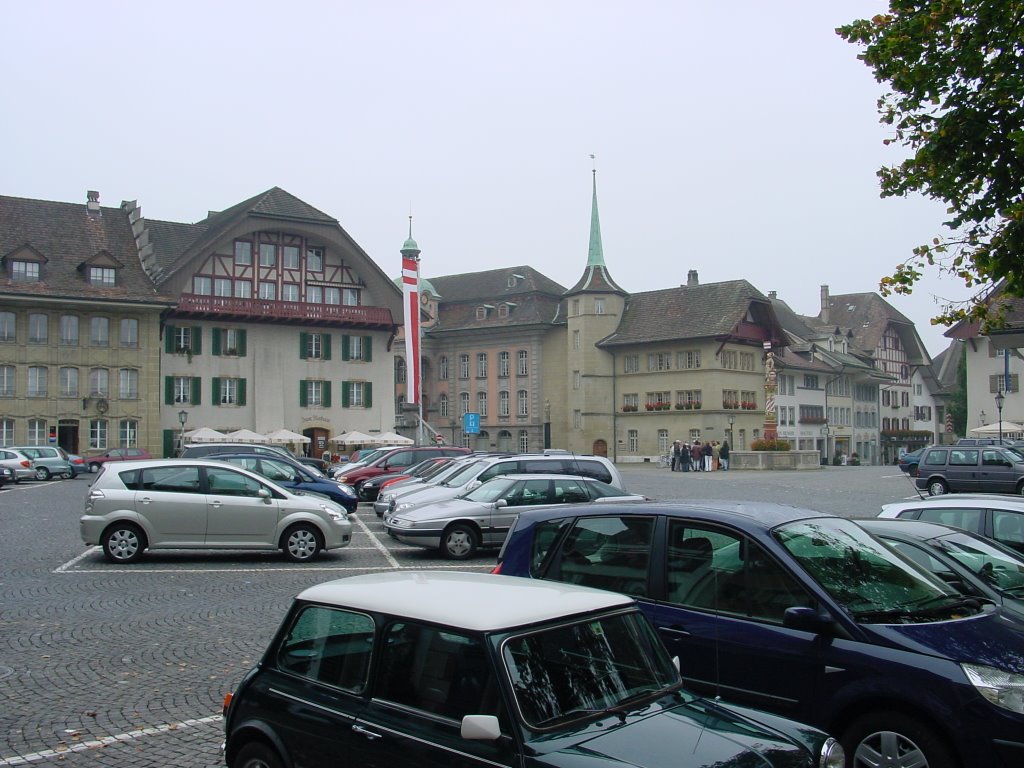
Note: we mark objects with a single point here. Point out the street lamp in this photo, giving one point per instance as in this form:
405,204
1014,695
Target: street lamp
732,420
981,419
182,418
999,406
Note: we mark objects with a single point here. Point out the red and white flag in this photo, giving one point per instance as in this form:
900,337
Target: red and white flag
411,292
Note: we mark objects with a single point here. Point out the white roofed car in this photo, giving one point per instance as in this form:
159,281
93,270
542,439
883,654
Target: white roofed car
481,517
480,670
991,515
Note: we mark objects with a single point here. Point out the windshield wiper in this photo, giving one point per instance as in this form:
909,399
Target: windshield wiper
919,610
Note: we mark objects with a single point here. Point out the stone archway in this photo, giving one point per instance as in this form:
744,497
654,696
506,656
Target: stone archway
600,448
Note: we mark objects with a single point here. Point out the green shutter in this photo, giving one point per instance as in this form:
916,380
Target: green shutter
168,390
197,340
326,391
367,395
170,438
344,348
197,390
346,388
215,390
215,342
367,349
326,341
303,395
241,343
241,391
303,345
169,339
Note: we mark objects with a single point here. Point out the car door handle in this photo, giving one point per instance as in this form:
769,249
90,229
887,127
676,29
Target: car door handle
675,629
145,499
367,733
215,503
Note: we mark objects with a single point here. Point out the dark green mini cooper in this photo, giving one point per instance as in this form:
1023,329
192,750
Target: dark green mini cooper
459,669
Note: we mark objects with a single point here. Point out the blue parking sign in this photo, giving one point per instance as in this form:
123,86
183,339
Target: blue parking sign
471,423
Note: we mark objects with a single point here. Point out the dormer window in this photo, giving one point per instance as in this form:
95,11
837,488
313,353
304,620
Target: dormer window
25,271
102,275
503,310
481,313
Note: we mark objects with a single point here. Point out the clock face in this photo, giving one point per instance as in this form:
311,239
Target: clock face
424,299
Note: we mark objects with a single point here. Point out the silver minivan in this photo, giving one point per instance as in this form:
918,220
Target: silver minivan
47,460
133,506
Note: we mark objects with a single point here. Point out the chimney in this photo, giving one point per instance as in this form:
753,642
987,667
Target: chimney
824,304
773,295
691,278
92,206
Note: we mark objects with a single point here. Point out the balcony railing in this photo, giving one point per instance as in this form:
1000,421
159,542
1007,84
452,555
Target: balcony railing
285,311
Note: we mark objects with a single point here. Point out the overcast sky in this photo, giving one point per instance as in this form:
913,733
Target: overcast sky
739,139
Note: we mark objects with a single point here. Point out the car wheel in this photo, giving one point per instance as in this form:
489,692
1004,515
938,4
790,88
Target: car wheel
123,543
67,475
301,542
42,473
459,541
94,468
256,754
893,739
937,487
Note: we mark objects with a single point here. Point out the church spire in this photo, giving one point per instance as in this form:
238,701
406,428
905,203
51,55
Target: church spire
596,257
595,276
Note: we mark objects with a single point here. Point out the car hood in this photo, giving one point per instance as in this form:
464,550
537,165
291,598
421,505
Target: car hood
429,495
994,638
447,507
696,734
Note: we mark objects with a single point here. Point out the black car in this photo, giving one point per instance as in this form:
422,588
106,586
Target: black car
460,670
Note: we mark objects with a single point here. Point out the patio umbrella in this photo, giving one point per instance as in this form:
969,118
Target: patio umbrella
352,438
1008,428
392,438
245,436
286,436
205,435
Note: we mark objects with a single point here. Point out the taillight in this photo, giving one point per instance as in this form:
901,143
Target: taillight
25,463
496,569
227,703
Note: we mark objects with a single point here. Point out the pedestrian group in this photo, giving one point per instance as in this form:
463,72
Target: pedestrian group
708,456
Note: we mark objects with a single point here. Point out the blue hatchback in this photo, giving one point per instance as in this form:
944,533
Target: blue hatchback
294,477
806,615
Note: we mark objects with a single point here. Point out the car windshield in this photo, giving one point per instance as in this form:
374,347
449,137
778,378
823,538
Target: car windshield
1002,568
490,491
463,475
591,666
871,581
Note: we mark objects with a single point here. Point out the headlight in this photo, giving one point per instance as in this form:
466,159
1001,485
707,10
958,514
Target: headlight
832,755
341,478
347,489
335,514
401,522
1004,689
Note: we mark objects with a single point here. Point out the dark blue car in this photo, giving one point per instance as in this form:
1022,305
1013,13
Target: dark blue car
806,615
294,476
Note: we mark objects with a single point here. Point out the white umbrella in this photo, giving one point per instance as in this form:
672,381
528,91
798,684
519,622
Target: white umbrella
286,436
245,436
352,438
205,435
1008,428
392,438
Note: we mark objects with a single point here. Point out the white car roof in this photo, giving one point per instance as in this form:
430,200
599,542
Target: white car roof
471,601
962,500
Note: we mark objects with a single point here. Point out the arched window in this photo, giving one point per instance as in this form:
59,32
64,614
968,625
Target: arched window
399,370
524,441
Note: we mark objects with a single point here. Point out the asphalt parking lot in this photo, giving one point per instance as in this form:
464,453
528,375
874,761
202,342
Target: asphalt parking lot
106,665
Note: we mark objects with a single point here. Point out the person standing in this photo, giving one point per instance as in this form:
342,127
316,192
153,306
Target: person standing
715,462
697,456
684,457
706,453
675,456
723,455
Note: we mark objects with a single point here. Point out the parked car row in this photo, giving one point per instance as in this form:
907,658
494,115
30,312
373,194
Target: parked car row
39,462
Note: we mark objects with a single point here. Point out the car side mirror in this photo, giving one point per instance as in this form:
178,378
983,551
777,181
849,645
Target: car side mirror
264,494
481,727
501,503
473,485
807,620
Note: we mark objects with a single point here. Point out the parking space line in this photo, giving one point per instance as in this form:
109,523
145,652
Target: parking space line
106,741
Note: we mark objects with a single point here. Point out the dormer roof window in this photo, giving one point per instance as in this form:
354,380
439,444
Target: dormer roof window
24,264
25,271
100,269
102,275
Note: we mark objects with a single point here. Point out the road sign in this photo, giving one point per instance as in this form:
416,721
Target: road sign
471,423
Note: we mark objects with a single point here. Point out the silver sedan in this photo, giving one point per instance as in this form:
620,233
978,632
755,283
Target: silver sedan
481,517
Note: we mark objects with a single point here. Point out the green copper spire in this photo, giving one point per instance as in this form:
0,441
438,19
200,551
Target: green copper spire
596,257
410,244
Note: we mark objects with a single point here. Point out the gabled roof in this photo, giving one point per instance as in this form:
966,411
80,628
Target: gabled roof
693,312
946,365
1010,335
174,245
866,316
532,298
66,235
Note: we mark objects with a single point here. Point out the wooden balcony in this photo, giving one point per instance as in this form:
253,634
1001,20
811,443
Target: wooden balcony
297,313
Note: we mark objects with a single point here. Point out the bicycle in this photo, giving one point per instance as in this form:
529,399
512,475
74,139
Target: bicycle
664,461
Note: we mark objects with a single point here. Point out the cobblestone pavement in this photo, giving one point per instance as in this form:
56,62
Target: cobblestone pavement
104,665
